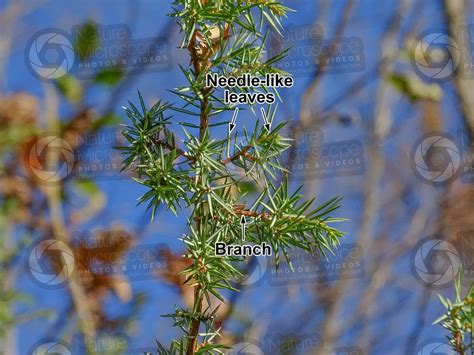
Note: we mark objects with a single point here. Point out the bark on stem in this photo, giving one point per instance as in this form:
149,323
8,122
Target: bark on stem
196,322
199,64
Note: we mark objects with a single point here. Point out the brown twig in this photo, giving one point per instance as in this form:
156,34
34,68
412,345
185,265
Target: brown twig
458,343
178,150
194,329
243,152
366,230
241,211
53,194
454,11
198,64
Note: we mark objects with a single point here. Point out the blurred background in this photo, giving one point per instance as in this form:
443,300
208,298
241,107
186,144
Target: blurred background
382,113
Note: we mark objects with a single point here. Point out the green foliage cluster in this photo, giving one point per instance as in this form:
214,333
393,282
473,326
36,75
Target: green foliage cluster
459,317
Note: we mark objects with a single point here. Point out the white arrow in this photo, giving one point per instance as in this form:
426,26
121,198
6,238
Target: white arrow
234,118
243,222
267,124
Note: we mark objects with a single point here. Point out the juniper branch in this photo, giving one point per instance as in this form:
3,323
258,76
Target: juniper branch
215,30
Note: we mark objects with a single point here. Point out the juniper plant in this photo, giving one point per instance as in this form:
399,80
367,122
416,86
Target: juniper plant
205,173
458,318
